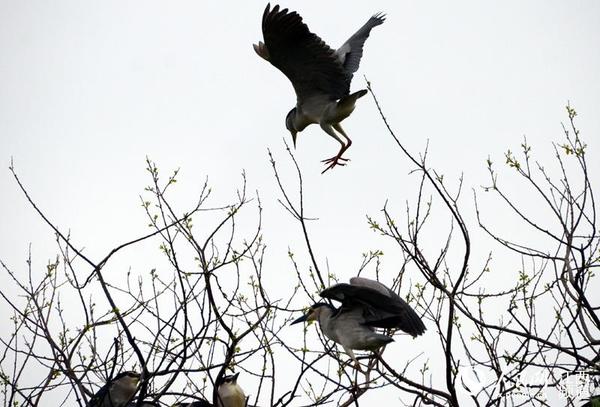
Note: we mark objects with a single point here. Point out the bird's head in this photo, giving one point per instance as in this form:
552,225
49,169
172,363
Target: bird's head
128,378
313,312
123,387
228,380
230,394
289,124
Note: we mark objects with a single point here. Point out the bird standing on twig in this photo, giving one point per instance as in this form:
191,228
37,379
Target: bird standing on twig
320,75
366,305
117,392
230,393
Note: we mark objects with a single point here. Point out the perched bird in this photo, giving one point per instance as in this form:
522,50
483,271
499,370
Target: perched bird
230,393
366,305
320,75
117,392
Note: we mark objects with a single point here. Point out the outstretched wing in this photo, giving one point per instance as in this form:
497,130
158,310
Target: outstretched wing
351,51
382,308
310,64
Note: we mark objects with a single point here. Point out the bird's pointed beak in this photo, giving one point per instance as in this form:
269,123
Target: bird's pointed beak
235,376
301,319
294,136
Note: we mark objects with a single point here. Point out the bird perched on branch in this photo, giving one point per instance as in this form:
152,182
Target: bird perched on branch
117,392
366,305
320,75
230,393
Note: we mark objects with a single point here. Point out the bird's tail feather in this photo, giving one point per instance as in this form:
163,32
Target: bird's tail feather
359,94
350,100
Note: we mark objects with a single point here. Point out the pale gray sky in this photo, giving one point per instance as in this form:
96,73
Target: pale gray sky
89,89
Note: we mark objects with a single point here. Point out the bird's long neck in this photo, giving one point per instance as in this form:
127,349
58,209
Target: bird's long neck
326,321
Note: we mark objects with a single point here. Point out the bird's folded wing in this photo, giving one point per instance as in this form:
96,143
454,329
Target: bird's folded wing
403,318
382,307
309,63
99,396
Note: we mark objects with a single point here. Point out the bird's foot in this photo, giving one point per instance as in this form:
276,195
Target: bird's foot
333,161
358,366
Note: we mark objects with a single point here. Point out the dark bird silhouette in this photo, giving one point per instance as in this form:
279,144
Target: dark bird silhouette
320,75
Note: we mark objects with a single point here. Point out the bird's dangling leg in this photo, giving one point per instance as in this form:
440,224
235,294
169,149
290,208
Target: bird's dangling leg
337,159
339,129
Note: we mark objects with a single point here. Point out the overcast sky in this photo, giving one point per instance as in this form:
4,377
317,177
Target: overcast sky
89,89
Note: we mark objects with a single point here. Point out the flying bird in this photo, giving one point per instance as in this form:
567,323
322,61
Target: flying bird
230,393
117,392
320,75
366,305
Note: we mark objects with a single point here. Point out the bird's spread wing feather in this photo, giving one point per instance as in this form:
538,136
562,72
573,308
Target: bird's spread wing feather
310,64
351,51
382,308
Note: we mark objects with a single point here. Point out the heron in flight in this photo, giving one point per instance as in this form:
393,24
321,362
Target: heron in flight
320,75
366,305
